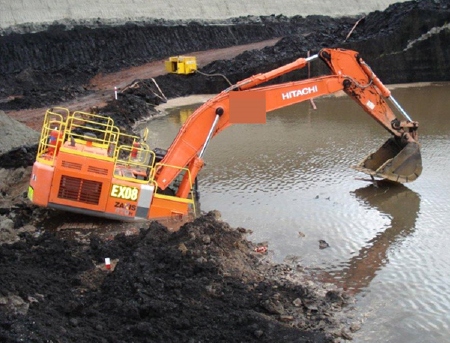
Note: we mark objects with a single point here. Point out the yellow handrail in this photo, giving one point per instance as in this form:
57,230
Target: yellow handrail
52,136
134,163
190,200
82,127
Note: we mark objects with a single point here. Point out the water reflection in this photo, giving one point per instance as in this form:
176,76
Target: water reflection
183,115
401,205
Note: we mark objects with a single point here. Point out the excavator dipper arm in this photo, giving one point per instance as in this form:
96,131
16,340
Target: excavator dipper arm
349,73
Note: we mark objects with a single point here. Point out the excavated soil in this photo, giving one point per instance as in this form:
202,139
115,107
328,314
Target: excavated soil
394,42
408,42
204,283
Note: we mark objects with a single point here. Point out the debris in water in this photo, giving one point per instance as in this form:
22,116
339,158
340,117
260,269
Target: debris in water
261,250
323,244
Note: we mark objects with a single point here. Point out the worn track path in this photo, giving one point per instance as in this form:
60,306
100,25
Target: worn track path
103,84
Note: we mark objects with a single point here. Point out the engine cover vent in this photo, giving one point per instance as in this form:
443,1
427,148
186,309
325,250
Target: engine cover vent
81,190
96,170
71,165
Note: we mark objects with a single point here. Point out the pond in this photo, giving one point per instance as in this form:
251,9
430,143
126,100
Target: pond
289,181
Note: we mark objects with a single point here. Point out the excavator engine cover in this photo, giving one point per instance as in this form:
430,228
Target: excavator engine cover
397,160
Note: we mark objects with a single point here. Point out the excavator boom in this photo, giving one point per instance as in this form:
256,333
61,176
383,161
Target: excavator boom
398,159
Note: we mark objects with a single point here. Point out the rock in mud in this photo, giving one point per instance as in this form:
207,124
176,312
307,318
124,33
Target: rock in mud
355,327
323,244
346,335
7,233
14,304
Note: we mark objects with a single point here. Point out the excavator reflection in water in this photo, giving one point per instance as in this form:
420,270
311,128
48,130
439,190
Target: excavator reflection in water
362,268
86,165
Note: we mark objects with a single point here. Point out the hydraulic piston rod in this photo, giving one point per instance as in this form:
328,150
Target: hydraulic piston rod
219,112
400,108
386,92
197,163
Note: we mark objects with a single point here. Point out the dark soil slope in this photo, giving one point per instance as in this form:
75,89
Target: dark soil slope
407,42
38,64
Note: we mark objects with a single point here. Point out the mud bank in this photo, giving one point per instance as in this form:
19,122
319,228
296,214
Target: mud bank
18,143
204,283
408,42
393,42
41,68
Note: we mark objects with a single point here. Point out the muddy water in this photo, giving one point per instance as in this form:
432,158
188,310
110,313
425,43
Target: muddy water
289,181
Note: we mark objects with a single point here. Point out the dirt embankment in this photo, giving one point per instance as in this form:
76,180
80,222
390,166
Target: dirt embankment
42,68
204,283
408,42
17,143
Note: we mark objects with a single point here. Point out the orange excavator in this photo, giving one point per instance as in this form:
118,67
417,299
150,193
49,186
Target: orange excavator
85,164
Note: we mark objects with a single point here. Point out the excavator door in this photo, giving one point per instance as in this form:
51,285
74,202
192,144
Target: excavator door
398,159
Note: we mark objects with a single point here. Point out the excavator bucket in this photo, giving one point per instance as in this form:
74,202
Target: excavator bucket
396,160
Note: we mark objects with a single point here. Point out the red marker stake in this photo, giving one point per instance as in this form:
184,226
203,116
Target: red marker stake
108,263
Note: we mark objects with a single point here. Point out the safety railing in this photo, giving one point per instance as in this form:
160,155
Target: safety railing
183,171
82,129
134,163
52,135
93,129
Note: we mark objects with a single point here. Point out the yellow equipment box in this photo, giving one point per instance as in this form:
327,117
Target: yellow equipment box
181,64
